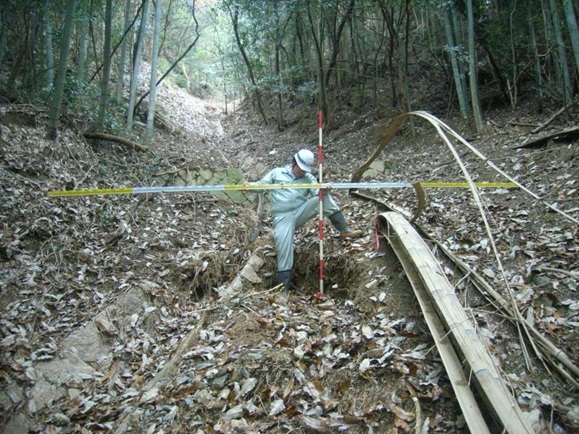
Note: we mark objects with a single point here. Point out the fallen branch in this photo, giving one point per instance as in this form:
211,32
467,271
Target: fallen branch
384,140
522,124
116,139
558,270
571,133
552,118
418,426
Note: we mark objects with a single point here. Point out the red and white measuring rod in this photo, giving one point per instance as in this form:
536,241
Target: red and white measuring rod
321,199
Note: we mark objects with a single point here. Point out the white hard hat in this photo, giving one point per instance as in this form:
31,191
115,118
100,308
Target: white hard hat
304,159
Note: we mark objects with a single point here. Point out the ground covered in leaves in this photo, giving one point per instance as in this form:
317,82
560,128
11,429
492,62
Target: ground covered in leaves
159,313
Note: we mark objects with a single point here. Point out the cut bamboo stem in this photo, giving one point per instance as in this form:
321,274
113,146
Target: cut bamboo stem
450,360
476,355
549,350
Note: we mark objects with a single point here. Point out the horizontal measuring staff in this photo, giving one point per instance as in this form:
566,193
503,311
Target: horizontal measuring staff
245,187
467,185
226,187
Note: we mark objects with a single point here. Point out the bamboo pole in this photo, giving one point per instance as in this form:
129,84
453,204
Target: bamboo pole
455,373
476,355
552,353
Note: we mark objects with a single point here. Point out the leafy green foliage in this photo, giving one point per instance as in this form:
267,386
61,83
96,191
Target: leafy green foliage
279,39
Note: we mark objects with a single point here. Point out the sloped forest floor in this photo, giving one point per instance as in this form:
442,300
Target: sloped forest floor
160,313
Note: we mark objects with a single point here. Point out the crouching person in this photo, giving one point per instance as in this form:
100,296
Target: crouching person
291,208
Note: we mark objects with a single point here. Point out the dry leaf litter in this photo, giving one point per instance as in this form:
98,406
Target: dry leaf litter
157,313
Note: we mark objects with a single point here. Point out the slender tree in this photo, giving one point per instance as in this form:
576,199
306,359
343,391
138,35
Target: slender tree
48,49
473,71
234,14
153,93
536,61
278,43
513,87
393,51
106,66
124,44
453,51
561,61
573,32
318,38
336,38
83,42
137,65
4,12
56,103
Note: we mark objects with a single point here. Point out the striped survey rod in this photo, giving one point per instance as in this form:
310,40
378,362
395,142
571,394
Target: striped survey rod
320,294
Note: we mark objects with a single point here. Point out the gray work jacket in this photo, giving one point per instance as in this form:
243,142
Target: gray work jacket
287,199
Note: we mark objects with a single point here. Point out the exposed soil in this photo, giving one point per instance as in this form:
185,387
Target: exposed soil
140,313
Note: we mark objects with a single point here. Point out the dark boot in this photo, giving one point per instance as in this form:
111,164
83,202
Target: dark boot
285,278
340,224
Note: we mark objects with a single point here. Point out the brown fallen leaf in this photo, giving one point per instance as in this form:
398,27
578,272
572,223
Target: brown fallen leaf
401,413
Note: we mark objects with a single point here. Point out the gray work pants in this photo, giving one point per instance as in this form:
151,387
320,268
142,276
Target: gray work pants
285,225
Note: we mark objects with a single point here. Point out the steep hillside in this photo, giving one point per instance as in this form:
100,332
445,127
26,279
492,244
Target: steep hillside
159,313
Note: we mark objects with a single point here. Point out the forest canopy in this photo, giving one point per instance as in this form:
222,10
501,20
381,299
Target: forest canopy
463,56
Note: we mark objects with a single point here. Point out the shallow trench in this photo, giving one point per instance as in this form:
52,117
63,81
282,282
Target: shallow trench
240,331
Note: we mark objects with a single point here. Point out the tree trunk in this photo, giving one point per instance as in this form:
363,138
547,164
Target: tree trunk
56,103
235,21
453,54
124,37
318,46
336,38
403,77
573,32
279,34
83,44
395,56
376,68
3,17
175,63
123,58
153,93
106,66
137,65
277,68
49,54
561,61
512,87
462,65
537,61
473,69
